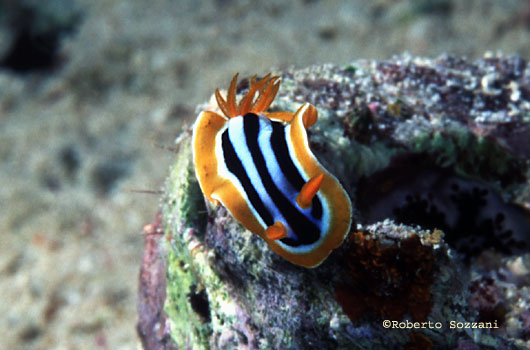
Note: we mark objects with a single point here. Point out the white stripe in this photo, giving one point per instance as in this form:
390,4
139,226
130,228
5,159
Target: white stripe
324,224
277,175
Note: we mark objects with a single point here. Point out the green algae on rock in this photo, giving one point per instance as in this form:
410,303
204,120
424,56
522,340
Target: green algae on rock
386,127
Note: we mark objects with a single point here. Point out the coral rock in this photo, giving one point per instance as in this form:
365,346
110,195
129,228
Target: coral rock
434,154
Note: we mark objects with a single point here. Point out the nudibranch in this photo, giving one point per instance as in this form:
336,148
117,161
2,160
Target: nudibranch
260,167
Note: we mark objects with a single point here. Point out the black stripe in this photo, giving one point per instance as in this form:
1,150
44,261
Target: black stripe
281,151
234,165
306,231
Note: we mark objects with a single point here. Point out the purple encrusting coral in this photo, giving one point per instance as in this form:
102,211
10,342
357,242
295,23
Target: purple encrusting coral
435,156
461,136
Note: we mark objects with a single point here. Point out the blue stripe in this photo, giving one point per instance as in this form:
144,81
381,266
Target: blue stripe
283,158
234,165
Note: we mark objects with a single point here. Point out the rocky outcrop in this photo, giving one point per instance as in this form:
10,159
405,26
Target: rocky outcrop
434,154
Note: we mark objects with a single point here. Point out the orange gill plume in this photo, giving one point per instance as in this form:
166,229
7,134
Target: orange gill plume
267,88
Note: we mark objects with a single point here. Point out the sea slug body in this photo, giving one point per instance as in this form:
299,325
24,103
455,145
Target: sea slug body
260,167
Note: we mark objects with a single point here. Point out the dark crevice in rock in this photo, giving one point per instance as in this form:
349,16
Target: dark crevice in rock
200,304
473,216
